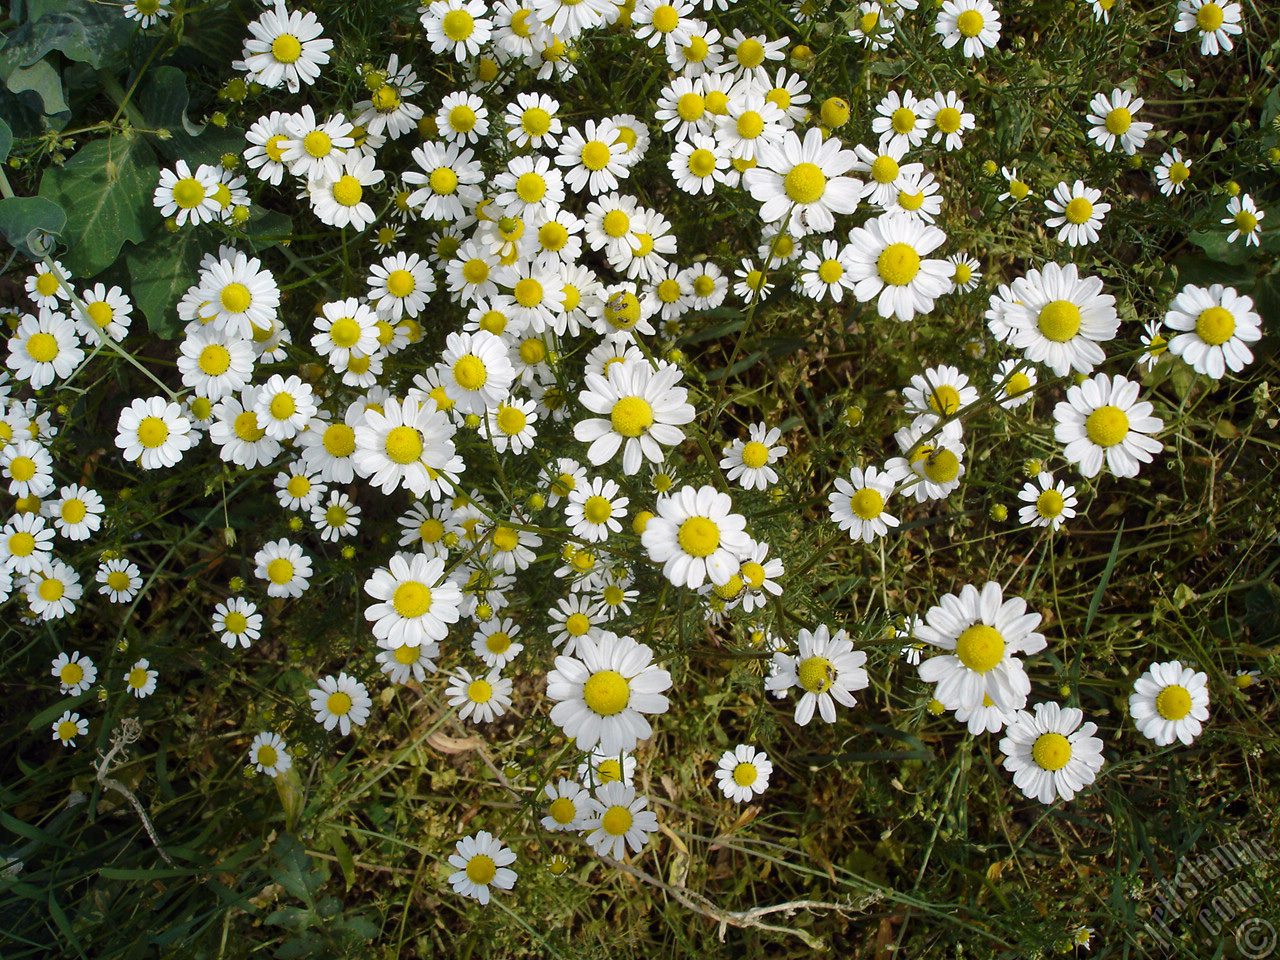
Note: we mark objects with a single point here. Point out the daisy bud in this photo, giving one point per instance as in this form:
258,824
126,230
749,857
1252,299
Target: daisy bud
641,521
835,112
218,119
998,512
852,416
1064,690
935,707
1232,188
27,505
237,584
990,168
1032,467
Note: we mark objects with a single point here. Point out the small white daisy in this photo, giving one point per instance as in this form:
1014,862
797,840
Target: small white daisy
119,579
1048,504
1102,419
237,622
858,504
481,862
749,463
1214,326
75,673
743,773
340,702
1078,214
1170,702
1051,752
269,755
141,680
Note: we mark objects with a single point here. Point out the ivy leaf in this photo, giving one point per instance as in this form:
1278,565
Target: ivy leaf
163,100
107,186
41,79
23,221
160,272
6,140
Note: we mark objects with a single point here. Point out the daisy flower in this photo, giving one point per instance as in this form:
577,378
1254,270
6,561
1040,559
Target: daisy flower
147,12
477,373
659,22
1102,418
709,285
340,702
743,773
237,622
494,643
1058,318
447,181
188,197
802,181
1102,9
481,698
1154,343
284,407
568,806
974,24
594,158
153,433
696,537
1172,172
1018,190
284,566
269,755
753,283
944,114
858,504
1244,215
315,149
1077,212
345,327
872,26
749,463
1051,752
750,55
620,821
644,409
77,513
141,680
215,364
410,444
1215,325
1216,23
52,591
898,122
701,52
601,695
594,510
529,184
532,122
69,726
401,285
120,580
242,296
416,603
600,768
44,349
1047,504
106,312
1170,702
917,196
340,201
284,48
826,273
481,861
457,28
749,122
1112,119
887,261
26,543
682,108
238,435
965,273
29,468
942,391
984,635
75,673
825,667
404,663
338,518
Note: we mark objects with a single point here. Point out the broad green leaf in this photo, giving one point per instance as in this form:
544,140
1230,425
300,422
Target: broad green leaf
6,140
107,187
21,217
161,270
1214,244
82,30
42,80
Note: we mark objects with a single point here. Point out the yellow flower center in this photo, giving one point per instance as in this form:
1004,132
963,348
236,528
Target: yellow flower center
42,347
1215,326
898,264
1107,426
699,537
868,21
816,674
830,271
595,155
479,691
948,120
729,589
22,469
696,49
51,589
234,622
286,48
347,191
469,372
606,692
1019,383
690,107
152,432
1018,190
631,416
187,193
214,360
969,23
1050,504
72,674
283,406
1079,211
562,810
962,274
980,647
1059,320
616,821
1118,121
553,236
665,18
750,53
481,870
280,571
755,455
267,755
462,118
616,223
339,440
246,427
597,509
867,503
535,121
780,97
1173,702
403,445
750,125
1246,221
235,298
274,147
458,25
903,120
1209,17
805,183
100,313
22,544
910,201
336,516
68,730
400,283
528,292
1051,751
1178,172
411,599
745,774
317,143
